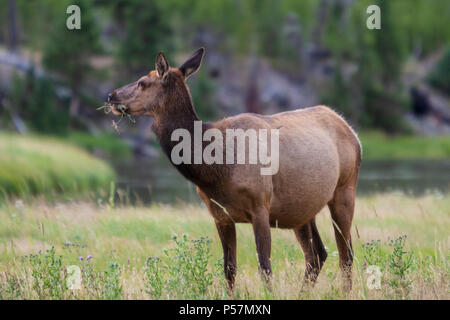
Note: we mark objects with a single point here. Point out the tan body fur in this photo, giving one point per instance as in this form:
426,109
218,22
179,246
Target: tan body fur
318,151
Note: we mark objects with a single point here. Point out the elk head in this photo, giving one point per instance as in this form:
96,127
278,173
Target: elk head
154,92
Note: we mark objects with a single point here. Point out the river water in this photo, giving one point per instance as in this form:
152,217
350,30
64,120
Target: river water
155,180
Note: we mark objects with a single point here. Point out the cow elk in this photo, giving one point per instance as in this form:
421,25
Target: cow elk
319,160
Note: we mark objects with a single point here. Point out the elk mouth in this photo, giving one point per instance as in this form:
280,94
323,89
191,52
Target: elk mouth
117,108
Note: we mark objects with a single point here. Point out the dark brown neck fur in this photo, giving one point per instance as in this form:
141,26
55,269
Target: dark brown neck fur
178,112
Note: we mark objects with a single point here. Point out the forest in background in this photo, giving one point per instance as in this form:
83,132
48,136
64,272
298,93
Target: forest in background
262,56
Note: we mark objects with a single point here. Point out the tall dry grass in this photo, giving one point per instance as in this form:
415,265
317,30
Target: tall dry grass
120,240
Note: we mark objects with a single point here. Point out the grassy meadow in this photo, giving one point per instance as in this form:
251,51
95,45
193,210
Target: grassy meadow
167,252
378,145
31,165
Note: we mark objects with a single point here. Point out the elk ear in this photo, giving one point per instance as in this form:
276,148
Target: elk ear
193,63
161,65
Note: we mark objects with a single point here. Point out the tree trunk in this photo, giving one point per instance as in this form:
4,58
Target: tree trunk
252,101
321,20
74,109
13,37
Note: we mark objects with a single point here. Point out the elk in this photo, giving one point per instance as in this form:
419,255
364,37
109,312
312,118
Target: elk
319,160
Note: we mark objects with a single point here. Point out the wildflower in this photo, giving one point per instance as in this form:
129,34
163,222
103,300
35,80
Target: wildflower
81,258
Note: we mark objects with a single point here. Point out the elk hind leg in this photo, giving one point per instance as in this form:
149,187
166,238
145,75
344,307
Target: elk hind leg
341,208
313,250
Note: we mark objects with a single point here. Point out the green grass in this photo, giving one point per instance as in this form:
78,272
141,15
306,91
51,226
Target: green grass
377,145
38,165
135,254
107,144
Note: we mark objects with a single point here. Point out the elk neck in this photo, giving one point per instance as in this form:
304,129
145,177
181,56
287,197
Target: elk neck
179,113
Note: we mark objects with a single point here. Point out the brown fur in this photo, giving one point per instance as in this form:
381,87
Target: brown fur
320,156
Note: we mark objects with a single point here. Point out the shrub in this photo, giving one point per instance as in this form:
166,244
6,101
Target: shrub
439,77
47,273
394,264
184,273
112,288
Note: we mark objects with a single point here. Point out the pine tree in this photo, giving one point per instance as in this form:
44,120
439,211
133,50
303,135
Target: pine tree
147,31
68,52
380,69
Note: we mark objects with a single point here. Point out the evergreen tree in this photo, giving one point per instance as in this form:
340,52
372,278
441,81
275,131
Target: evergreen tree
380,65
35,100
147,31
439,76
68,52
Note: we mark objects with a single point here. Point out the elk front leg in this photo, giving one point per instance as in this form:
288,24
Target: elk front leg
227,234
261,228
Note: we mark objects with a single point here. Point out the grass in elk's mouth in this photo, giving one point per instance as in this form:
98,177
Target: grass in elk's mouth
108,107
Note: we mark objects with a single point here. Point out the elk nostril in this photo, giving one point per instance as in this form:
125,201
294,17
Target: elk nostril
109,97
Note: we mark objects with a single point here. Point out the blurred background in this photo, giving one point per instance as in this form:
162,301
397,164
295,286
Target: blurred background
262,56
